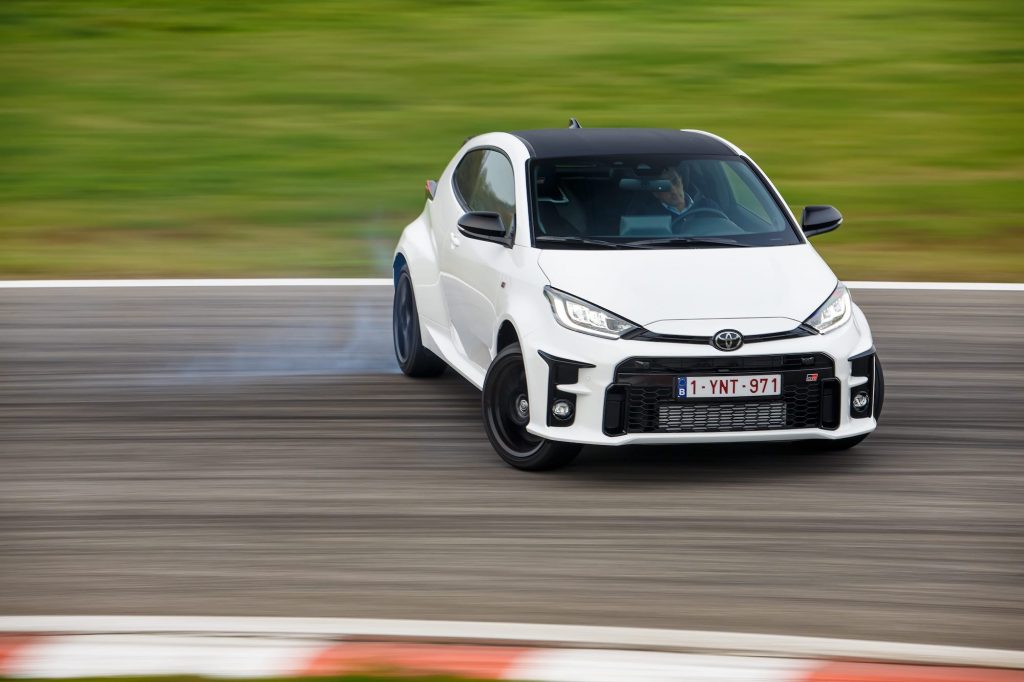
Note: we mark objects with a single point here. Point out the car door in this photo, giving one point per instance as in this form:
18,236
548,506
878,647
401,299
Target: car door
470,267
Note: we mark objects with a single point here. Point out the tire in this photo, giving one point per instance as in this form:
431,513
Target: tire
847,443
505,419
879,388
414,359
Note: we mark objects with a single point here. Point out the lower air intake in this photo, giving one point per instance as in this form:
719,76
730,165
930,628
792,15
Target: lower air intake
748,416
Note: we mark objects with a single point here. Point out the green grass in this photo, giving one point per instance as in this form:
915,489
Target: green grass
203,137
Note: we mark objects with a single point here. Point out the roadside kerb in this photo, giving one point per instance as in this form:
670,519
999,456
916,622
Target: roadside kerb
515,650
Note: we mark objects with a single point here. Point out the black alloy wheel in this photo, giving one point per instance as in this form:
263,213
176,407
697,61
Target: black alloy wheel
506,413
413,357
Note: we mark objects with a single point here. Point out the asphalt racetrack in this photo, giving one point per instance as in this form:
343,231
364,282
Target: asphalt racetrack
253,451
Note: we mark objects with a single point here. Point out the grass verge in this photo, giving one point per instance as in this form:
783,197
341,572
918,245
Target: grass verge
205,138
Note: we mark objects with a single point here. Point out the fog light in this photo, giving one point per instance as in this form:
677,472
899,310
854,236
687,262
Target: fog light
860,401
561,409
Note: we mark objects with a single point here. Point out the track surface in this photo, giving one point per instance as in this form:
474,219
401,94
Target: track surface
253,451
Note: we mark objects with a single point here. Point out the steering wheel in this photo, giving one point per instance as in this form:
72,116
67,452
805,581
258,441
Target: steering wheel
703,209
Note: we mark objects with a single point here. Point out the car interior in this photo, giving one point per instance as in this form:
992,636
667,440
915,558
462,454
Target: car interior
617,200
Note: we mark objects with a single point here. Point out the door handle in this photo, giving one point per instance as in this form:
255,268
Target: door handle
454,239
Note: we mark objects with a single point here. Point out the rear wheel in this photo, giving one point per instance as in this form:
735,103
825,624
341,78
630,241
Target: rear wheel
506,413
413,357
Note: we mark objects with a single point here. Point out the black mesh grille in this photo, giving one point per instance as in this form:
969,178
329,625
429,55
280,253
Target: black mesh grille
743,416
803,404
642,405
650,405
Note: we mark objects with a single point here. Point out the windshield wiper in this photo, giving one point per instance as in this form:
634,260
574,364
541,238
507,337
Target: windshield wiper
686,241
588,241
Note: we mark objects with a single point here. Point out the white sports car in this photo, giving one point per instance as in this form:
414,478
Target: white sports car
613,286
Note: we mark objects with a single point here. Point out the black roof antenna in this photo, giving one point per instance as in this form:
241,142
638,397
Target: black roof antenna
574,124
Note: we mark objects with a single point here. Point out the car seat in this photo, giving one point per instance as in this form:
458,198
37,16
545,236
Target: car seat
559,215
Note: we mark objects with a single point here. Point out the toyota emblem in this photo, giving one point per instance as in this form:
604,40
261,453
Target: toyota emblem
727,339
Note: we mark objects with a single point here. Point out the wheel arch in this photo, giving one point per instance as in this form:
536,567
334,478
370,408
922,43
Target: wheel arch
399,263
507,335
416,251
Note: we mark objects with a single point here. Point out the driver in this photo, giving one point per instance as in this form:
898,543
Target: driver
676,202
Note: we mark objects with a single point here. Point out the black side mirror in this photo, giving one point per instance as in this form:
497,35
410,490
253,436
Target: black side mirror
485,225
820,219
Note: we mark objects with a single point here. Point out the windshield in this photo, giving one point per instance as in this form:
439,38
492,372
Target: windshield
660,201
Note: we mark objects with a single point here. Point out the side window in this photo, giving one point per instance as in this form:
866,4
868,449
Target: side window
743,195
484,182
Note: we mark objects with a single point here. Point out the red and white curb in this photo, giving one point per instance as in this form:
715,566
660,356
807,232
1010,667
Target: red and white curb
81,646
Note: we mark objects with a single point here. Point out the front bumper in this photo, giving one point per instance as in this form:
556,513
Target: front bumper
622,390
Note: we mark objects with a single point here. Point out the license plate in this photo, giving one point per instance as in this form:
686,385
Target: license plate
729,386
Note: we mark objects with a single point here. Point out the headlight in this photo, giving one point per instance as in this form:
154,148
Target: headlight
580,316
834,312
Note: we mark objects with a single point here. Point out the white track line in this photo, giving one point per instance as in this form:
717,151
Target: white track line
939,286
107,655
130,283
605,665
384,281
524,633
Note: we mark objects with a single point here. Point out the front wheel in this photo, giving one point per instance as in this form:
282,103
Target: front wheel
506,413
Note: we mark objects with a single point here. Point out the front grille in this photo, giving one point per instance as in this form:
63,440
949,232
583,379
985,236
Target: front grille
642,334
743,416
642,398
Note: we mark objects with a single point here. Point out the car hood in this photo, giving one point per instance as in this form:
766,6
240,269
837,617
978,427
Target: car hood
786,283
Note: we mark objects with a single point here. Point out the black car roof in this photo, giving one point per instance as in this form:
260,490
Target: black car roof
550,143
